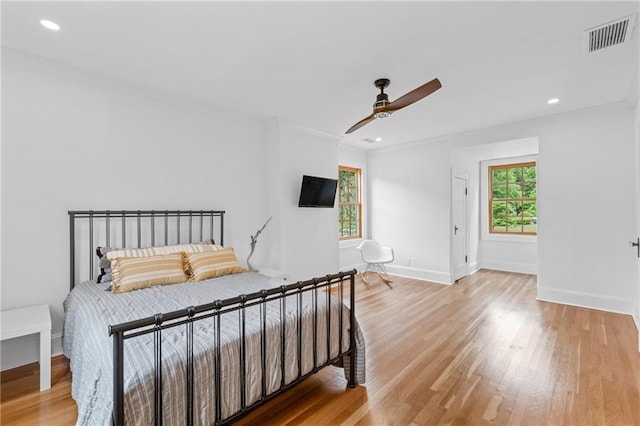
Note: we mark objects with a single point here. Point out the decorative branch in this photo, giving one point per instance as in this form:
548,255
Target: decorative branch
254,240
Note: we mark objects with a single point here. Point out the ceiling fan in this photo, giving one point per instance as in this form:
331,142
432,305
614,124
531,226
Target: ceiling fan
383,108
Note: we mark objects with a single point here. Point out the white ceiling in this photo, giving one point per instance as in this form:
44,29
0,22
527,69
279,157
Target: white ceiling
315,63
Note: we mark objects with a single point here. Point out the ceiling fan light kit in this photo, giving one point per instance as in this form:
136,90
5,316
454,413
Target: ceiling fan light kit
382,108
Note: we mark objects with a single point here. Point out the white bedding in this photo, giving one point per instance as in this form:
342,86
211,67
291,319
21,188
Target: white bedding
90,308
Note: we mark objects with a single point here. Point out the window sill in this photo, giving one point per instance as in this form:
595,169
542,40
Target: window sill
511,238
354,242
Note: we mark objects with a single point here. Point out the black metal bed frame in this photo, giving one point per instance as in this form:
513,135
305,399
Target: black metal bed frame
216,309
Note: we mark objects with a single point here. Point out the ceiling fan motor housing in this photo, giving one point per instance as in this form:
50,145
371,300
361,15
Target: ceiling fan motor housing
381,100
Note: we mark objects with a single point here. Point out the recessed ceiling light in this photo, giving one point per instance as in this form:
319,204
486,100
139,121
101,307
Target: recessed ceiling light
49,25
378,139
553,101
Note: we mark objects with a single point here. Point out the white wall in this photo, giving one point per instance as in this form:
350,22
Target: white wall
409,208
586,210
308,236
72,144
585,166
350,258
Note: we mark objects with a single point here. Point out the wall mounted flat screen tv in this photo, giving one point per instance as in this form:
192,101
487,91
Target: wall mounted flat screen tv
317,192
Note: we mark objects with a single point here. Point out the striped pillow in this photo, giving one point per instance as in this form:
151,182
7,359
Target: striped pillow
213,264
105,261
131,273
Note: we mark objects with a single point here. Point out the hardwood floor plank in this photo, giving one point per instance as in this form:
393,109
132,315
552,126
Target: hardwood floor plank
23,403
480,352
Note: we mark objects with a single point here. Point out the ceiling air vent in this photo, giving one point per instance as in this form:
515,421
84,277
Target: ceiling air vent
610,34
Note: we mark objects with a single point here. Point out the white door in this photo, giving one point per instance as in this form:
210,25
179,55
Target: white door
459,227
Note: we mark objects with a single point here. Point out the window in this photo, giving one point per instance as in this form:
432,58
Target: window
512,199
349,201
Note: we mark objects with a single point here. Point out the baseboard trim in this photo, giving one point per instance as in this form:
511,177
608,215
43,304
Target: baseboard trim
420,274
358,266
616,305
499,265
636,319
26,350
474,267
408,272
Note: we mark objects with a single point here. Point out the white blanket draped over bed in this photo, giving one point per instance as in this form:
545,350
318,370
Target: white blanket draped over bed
90,308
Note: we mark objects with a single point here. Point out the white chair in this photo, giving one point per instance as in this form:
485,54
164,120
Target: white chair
375,256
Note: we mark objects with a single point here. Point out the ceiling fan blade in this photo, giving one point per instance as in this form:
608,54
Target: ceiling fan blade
361,123
413,96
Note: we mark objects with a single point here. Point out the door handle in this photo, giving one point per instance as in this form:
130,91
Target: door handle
455,229
635,244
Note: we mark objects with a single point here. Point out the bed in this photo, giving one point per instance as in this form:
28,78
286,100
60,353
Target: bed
204,352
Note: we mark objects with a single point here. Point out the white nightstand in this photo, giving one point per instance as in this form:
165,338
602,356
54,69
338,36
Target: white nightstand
276,276
31,320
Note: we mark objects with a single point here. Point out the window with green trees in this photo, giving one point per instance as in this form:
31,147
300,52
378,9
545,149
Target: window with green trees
512,199
350,205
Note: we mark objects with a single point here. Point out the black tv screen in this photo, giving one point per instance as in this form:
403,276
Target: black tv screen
317,192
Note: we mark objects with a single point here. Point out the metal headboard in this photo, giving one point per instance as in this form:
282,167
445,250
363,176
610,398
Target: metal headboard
89,229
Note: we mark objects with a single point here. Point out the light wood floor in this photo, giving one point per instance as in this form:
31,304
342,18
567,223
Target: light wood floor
482,351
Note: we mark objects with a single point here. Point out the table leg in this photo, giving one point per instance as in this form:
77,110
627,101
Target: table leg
45,360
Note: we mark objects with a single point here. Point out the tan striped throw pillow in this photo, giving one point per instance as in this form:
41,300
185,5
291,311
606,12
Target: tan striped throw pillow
131,273
213,264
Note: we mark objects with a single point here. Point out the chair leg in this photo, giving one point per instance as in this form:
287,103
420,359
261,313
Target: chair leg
380,270
363,275
382,273
364,278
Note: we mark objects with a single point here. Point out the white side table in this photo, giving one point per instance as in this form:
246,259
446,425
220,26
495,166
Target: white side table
31,320
276,276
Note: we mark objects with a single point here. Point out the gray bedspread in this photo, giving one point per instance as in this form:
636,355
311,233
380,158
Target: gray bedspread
90,308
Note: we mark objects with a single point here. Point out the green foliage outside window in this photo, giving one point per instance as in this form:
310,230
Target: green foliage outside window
513,199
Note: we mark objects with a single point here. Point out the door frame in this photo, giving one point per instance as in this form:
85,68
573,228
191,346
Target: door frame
457,173
636,315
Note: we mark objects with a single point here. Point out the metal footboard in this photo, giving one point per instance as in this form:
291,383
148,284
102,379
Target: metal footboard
238,306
